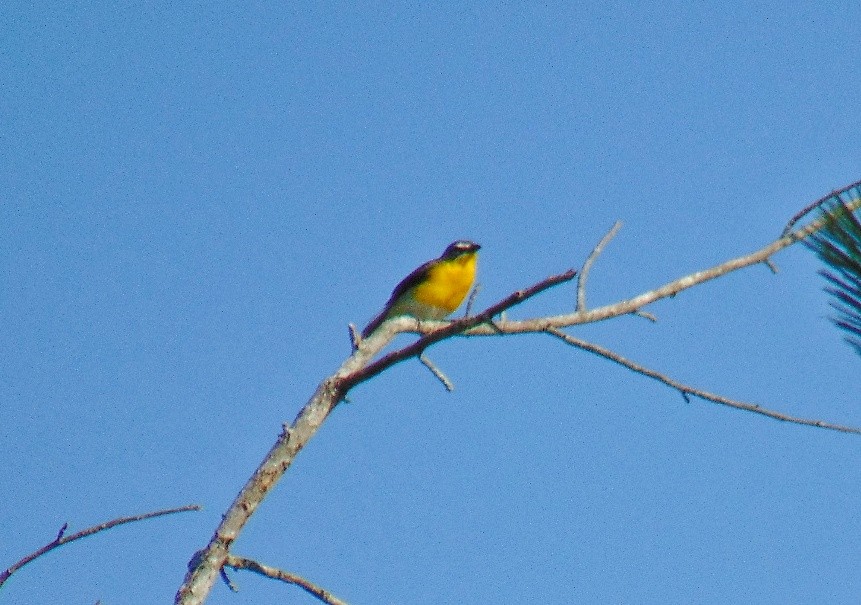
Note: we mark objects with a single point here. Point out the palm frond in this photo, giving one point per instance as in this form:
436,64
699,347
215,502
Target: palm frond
838,245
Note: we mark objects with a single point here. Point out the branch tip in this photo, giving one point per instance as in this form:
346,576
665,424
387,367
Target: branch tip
646,315
355,336
471,300
449,386
226,579
590,260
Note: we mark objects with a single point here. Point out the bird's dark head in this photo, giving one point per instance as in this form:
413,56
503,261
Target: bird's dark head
461,246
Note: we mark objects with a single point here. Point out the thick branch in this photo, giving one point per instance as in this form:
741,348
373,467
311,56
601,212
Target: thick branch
207,563
62,539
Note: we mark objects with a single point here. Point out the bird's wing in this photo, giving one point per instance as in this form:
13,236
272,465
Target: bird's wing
410,281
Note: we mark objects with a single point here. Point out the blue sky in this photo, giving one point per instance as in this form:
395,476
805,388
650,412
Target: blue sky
197,199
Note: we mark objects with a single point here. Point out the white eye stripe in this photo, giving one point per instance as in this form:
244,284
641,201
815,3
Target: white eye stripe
460,246
464,244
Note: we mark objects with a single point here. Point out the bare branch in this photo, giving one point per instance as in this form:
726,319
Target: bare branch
285,576
208,562
361,365
62,539
471,300
449,386
686,390
590,260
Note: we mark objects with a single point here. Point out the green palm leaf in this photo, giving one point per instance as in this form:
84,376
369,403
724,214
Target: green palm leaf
838,245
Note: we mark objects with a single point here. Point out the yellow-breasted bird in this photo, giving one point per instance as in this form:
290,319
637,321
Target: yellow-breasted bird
435,289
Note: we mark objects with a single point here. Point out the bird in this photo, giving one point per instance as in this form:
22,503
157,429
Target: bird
434,290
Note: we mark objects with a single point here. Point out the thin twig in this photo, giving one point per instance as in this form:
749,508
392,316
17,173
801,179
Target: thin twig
285,576
687,390
590,260
471,300
449,386
226,579
62,539
355,335
646,315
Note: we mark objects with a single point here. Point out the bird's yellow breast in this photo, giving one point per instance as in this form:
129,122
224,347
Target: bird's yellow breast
447,283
